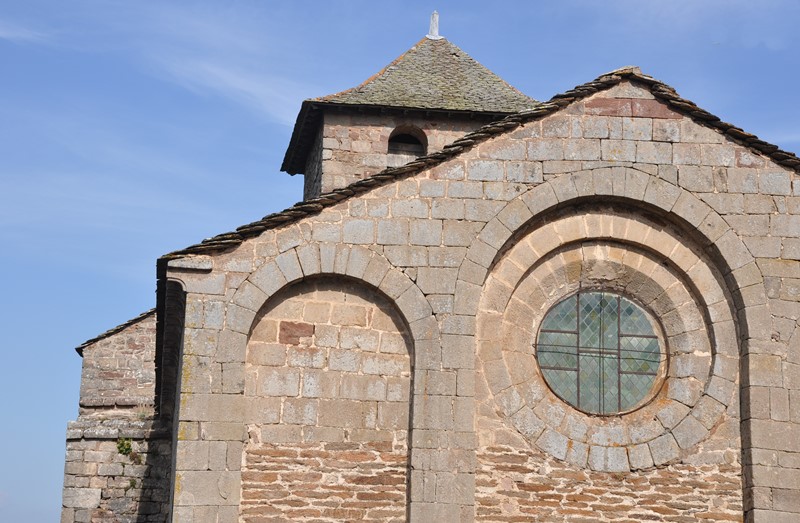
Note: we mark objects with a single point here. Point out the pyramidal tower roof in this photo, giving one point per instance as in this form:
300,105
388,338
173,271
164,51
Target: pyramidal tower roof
434,75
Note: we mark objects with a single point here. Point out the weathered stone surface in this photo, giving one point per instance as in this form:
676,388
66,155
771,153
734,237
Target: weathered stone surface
664,449
81,497
312,352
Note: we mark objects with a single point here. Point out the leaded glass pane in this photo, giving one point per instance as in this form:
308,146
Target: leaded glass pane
609,325
634,387
558,339
557,349
562,317
590,384
563,384
610,377
598,352
589,322
639,354
633,319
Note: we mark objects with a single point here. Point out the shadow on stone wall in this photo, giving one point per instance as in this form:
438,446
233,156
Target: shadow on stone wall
118,470
154,482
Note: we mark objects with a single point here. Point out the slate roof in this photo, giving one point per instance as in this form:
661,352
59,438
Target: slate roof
114,330
434,75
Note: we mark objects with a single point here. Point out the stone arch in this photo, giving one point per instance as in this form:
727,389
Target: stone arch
309,260
642,192
558,259
327,382
406,143
356,262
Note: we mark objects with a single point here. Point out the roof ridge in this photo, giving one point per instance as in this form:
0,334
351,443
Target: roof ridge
660,90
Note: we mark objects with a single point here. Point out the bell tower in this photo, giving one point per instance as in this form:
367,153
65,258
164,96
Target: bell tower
429,96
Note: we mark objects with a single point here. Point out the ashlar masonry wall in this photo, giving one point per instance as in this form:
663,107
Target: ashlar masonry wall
617,191
674,458
329,364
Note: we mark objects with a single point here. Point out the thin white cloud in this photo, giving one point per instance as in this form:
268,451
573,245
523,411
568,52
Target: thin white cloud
218,51
739,23
275,97
209,28
17,33
90,135
101,201
229,62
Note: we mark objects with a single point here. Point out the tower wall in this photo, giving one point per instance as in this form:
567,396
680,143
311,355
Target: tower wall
352,146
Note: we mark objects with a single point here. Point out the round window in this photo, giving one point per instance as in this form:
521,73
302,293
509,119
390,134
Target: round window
600,353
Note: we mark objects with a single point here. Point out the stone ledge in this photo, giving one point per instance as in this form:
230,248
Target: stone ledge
116,428
195,263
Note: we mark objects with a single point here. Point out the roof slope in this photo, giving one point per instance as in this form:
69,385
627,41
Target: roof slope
436,74
110,332
660,90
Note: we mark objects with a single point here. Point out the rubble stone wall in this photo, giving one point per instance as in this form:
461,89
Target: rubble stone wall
117,471
118,456
119,371
518,484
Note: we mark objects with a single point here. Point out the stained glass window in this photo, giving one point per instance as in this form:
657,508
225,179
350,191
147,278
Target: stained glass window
599,352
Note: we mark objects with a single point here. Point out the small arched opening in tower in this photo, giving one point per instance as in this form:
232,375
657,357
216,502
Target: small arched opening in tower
406,143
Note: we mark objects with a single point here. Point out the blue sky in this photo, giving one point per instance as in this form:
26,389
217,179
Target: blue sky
132,129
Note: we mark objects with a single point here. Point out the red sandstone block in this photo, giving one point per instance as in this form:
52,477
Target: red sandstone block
291,332
667,511
580,497
275,452
344,514
534,487
292,476
652,109
356,456
379,496
609,107
259,477
294,515
571,475
718,516
341,446
314,453
313,494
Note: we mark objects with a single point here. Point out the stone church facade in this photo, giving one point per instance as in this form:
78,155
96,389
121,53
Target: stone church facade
384,350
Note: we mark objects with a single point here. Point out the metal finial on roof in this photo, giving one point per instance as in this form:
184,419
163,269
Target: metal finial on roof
433,33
